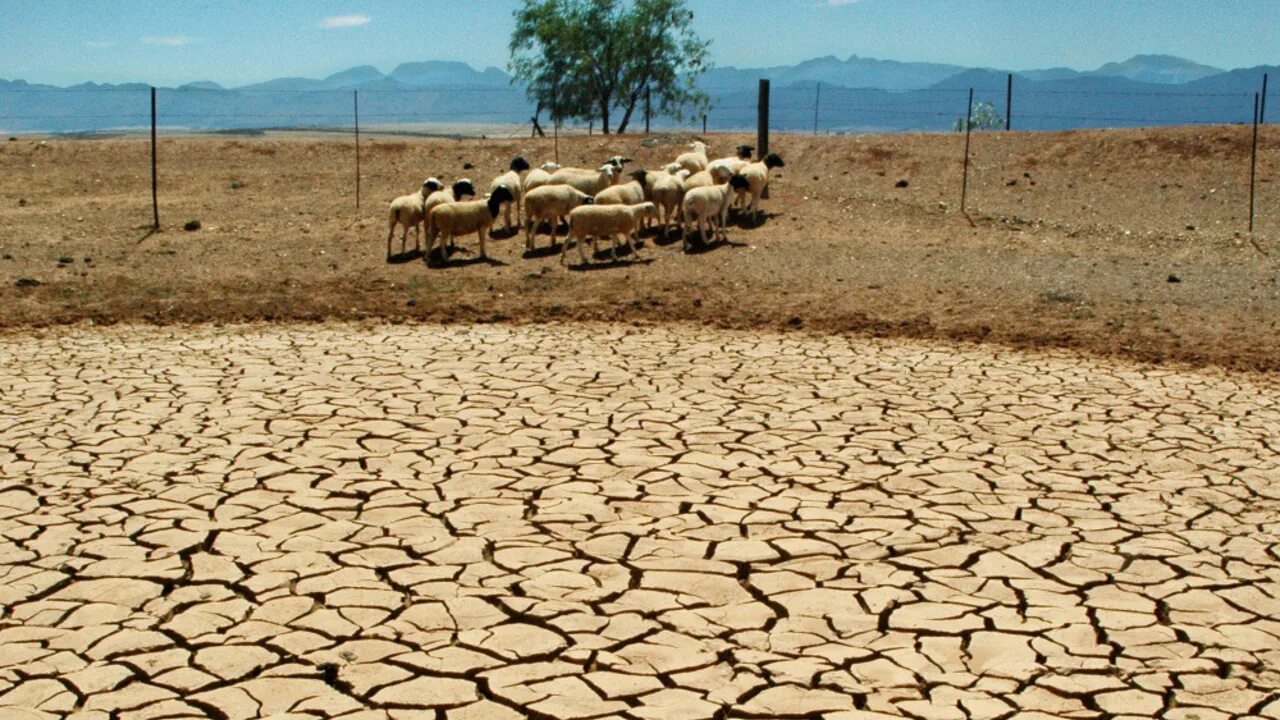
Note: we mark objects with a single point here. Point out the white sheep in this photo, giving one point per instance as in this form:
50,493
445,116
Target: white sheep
550,203
588,181
597,221
460,189
705,178
734,163
664,190
469,216
709,206
630,193
409,210
513,182
538,176
695,159
757,175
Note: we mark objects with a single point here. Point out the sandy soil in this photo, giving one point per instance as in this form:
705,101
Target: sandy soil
1125,242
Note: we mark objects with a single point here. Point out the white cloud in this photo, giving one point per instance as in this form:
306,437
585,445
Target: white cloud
344,21
169,40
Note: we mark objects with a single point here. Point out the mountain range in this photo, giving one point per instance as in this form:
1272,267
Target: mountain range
852,94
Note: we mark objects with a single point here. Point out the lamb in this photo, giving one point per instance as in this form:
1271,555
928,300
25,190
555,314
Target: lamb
551,203
469,216
598,220
696,159
709,205
664,190
408,210
512,180
588,181
757,174
538,177
460,189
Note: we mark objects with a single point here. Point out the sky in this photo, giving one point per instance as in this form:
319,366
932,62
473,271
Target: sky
237,42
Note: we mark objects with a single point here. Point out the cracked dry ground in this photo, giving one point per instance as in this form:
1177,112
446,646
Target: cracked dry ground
600,521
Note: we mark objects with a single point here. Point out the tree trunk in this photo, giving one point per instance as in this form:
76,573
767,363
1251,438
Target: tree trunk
604,117
626,117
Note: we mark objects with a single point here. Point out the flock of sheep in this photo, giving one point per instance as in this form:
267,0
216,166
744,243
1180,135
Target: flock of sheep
693,192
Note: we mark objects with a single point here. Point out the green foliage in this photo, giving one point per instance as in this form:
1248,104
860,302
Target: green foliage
585,58
985,117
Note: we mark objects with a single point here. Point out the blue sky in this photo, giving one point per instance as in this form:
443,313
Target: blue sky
235,42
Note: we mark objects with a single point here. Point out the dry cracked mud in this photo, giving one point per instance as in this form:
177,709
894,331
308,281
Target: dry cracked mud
588,521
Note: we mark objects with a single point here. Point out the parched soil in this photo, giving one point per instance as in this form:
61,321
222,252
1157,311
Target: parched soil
1130,242
581,520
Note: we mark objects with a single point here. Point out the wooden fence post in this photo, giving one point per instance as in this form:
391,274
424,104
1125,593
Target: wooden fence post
155,202
762,125
968,129
1008,102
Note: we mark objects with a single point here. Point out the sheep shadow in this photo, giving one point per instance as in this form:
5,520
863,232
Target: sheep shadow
542,252
697,247
403,257
666,240
504,233
452,262
610,264
744,220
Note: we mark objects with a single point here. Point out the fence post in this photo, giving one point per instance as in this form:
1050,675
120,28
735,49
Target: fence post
1253,159
762,126
1262,109
155,202
1008,102
355,96
968,129
704,123
646,110
817,97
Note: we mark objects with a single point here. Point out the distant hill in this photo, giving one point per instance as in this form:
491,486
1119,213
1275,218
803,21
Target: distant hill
855,94
1157,69
448,74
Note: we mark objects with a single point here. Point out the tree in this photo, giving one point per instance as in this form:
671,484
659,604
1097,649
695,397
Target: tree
585,58
985,117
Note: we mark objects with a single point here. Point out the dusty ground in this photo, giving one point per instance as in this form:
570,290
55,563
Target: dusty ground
1077,239
582,520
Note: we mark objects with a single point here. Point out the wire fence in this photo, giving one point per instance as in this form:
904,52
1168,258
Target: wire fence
817,107
458,112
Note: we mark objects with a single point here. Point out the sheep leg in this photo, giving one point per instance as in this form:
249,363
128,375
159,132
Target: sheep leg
483,254
582,253
390,232
563,248
635,253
